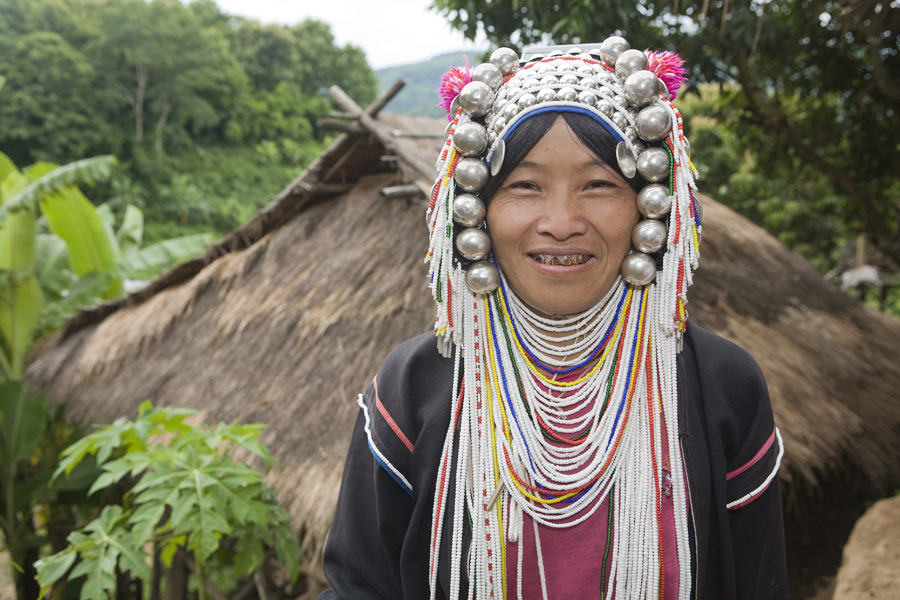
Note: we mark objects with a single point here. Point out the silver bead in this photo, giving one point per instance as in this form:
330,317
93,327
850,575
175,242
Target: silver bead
589,83
526,100
546,95
476,98
482,277
565,66
638,269
468,210
510,110
505,59
649,235
569,79
471,174
555,53
611,48
625,160
549,80
567,94
641,88
470,138
530,83
499,102
620,120
473,243
605,107
498,125
489,74
588,97
631,134
574,51
653,164
544,68
654,201
653,123
630,61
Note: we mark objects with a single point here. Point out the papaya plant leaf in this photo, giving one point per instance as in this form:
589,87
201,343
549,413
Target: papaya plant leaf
53,568
17,242
131,232
51,265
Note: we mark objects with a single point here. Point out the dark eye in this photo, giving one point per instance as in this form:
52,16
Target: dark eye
522,185
600,184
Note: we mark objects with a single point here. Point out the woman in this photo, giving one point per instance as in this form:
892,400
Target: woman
571,436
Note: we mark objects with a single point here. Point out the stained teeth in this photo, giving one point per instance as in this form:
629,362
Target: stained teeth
576,259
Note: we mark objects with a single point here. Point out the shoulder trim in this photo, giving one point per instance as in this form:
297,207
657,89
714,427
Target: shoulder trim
767,449
389,419
376,453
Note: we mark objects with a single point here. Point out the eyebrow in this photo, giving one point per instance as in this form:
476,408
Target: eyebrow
530,164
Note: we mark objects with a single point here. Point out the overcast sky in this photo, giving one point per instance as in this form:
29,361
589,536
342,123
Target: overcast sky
391,32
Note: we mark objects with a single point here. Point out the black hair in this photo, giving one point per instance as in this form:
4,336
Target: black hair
591,133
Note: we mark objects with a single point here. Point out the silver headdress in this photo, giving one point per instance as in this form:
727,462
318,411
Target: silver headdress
630,93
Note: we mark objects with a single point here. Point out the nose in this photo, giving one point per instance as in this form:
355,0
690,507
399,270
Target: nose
562,216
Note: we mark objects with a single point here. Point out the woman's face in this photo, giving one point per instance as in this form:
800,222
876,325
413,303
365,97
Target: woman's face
561,224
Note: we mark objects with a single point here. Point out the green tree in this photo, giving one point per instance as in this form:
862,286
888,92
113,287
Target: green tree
818,78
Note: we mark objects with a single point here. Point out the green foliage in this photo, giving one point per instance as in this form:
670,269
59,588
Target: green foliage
185,491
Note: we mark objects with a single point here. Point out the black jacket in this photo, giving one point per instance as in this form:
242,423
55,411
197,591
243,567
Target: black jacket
379,543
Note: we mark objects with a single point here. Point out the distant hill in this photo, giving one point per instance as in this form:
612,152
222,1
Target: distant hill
420,95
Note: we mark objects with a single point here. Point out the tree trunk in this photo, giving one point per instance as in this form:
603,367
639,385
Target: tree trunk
138,103
160,127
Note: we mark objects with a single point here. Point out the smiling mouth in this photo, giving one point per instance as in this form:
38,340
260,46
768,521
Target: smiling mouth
566,261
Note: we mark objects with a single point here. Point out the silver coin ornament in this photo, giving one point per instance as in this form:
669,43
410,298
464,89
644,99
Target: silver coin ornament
653,164
476,98
625,160
468,210
482,277
473,243
611,48
489,74
638,269
497,156
653,123
649,235
505,59
654,202
470,138
641,88
630,61
471,174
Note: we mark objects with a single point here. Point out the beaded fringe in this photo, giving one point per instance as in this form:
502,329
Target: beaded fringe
481,437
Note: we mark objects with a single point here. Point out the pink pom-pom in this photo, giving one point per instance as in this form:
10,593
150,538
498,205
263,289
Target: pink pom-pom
669,67
452,84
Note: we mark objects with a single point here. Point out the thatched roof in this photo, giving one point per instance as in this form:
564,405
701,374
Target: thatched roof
289,317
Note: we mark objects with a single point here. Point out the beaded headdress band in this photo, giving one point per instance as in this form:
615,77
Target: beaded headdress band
629,92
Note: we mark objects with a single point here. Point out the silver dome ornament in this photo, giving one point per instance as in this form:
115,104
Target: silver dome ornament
649,235
549,80
498,125
476,98
505,59
468,210
625,160
473,243
641,88
630,61
589,83
569,79
482,277
638,269
454,106
612,48
546,95
605,107
653,123
567,94
526,100
653,164
530,83
488,74
654,202
510,111
470,138
497,155
620,120
471,174
587,97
